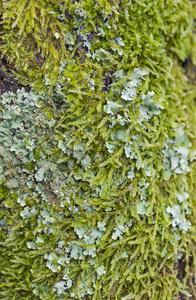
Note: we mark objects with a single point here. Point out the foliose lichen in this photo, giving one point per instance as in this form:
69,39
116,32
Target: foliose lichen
97,170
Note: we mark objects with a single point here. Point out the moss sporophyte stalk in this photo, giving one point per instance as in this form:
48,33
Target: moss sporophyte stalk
97,161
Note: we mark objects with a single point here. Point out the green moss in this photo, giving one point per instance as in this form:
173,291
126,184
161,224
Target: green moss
101,164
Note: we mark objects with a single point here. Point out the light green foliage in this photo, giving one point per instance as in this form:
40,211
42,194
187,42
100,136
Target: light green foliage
177,218
176,153
100,178
62,285
130,90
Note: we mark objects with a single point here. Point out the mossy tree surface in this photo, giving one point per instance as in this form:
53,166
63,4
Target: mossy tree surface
98,189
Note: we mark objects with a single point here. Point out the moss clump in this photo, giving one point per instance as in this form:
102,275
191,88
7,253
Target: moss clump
100,177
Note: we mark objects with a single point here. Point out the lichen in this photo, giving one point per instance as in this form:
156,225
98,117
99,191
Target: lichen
98,160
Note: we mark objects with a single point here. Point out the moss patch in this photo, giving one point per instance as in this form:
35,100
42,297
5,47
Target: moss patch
99,182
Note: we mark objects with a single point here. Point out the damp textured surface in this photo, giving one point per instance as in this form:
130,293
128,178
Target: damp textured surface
97,159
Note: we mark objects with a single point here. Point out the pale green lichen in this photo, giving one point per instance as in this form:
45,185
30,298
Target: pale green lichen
99,180
86,246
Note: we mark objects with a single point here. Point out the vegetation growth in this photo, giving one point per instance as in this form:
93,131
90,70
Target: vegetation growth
97,161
